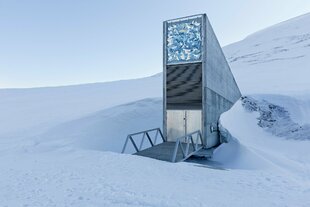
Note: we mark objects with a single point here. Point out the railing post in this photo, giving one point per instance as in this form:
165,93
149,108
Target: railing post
149,138
161,134
197,139
174,156
155,139
133,143
141,143
200,137
192,141
187,146
125,145
182,149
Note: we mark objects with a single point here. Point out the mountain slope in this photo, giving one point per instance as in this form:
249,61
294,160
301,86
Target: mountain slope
274,60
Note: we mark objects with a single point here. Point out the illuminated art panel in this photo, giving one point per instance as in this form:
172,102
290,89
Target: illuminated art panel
184,40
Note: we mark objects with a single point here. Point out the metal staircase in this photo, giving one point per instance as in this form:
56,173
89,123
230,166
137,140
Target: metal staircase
161,149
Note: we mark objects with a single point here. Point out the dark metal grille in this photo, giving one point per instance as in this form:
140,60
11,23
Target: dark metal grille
184,86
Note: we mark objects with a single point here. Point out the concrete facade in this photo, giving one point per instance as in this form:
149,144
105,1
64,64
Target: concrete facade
198,90
220,88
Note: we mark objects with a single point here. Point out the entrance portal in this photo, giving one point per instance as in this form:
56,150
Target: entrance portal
182,122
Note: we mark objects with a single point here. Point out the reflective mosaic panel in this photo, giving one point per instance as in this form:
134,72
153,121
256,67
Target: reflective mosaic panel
184,41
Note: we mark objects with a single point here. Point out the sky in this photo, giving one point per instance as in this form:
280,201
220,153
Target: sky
65,42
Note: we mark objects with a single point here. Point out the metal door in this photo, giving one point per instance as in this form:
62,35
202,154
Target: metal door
193,122
182,122
175,124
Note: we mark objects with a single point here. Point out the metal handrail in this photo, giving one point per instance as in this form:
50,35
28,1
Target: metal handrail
145,134
188,140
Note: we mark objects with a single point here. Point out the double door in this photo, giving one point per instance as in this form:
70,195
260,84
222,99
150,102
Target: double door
182,122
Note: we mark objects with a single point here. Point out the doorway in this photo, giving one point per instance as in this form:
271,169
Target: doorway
182,122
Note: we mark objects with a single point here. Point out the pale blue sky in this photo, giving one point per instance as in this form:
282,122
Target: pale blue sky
62,42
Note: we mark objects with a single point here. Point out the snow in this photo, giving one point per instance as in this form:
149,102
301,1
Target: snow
28,111
278,56
251,173
107,129
60,146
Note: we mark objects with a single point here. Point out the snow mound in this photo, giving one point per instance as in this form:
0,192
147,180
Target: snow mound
26,112
107,129
287,155
234,155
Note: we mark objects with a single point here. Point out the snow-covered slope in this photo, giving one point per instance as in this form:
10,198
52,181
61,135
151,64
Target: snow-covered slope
53,141
274,60
32,111
107,129
254,169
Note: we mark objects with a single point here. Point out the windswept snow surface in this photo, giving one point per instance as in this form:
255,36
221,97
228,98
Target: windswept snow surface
274,60
107,129
257,169
60,146
28,111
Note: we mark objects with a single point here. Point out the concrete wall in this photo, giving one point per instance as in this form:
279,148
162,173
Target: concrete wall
220,88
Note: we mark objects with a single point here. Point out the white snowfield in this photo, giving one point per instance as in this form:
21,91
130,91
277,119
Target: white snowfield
60,146
274,60
26,111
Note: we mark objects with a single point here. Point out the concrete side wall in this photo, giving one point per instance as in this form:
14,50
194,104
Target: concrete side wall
220,88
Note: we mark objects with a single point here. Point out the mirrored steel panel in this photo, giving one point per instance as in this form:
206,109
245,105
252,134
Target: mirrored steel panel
184,40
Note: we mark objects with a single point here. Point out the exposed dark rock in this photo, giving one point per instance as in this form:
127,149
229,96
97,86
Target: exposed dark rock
276,119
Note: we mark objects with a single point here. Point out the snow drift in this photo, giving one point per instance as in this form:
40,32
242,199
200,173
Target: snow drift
107,129
33,111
